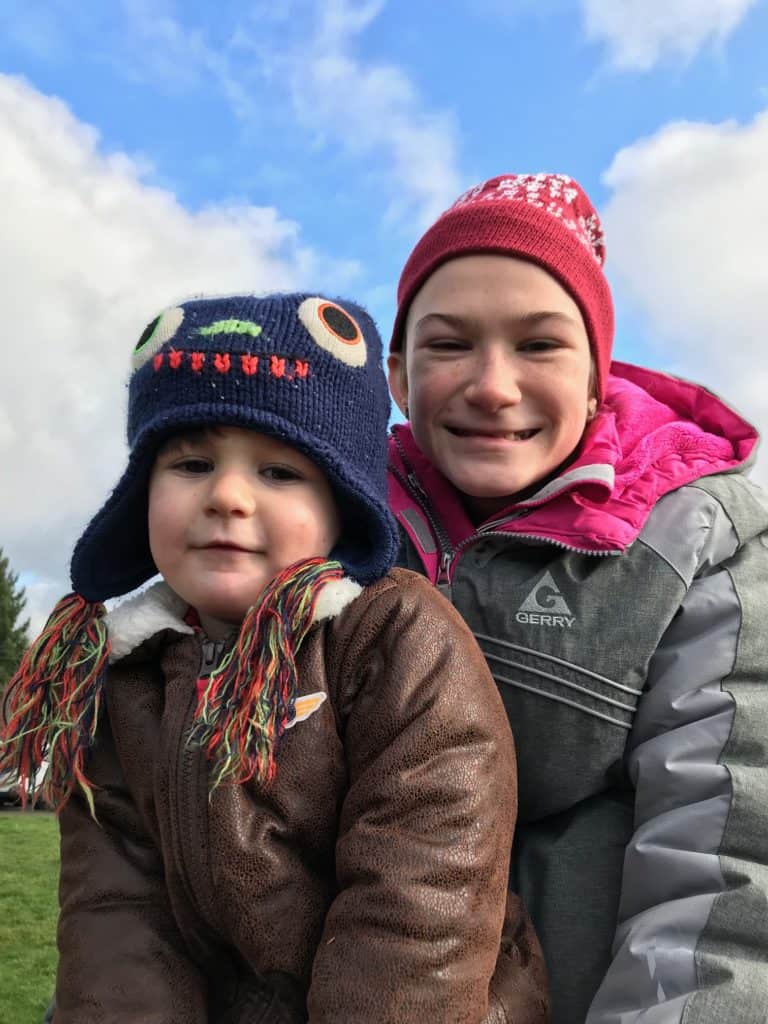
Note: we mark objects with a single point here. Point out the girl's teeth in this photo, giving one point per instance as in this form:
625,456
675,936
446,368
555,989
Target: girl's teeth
517,435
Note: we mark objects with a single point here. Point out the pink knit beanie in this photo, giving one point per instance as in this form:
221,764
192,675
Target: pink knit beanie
545,218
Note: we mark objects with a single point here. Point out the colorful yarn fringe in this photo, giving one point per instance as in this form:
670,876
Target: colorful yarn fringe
248,701
51,706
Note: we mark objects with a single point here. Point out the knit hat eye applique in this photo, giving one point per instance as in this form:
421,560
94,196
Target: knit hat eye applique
334,330
156,334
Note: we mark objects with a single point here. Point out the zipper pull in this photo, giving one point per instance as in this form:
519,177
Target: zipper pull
443,577
415,483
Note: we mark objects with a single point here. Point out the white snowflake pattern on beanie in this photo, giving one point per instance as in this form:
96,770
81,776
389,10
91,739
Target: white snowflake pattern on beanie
557,194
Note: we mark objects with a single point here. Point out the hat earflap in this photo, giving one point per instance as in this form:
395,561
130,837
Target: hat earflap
51,706
248,702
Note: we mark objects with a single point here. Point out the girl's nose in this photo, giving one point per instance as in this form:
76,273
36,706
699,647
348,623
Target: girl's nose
494,383
231,493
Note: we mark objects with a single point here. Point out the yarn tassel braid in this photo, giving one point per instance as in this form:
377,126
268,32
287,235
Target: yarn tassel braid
248,701
51,706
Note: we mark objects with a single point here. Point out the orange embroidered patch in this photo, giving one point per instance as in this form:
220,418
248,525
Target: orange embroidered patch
306,706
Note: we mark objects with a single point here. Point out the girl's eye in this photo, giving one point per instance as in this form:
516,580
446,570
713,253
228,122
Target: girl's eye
281,474
447,345
538,345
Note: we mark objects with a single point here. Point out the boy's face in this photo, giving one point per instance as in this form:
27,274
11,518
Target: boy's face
228,510
496,375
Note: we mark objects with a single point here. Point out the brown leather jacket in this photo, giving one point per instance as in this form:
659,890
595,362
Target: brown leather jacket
366,883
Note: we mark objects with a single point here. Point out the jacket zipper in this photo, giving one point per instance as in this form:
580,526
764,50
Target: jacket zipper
413,487
186,830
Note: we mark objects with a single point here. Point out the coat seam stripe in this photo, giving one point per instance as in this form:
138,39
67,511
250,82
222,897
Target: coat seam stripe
557,661
563,682
562,700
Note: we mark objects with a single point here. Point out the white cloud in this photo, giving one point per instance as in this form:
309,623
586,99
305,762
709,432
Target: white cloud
367,110
638,34
90,252
41,596
300,56
686,228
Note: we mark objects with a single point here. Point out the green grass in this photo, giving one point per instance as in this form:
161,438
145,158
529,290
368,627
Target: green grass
29,855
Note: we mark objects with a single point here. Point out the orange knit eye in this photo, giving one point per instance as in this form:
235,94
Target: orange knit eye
334,329
156,334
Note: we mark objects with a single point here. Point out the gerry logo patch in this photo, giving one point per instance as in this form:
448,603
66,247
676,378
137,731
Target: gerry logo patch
545,606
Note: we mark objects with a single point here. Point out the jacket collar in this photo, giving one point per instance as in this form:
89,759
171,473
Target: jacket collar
158,608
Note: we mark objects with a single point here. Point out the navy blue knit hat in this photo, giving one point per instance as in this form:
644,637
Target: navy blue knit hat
303,369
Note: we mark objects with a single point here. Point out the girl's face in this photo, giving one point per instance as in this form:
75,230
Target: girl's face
496,376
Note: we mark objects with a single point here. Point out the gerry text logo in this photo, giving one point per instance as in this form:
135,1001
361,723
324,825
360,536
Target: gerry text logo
545,606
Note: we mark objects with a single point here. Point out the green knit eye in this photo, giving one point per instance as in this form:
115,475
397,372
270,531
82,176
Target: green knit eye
156,334
334,330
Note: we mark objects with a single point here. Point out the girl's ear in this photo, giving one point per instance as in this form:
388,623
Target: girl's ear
591,409
398,381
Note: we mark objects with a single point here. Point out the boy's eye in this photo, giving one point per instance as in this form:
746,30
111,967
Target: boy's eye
281,474
193,464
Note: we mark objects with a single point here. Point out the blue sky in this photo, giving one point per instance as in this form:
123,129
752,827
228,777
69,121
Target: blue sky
155,150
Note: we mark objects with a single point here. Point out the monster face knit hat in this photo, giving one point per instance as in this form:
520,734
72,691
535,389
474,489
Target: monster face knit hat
303,369
545,218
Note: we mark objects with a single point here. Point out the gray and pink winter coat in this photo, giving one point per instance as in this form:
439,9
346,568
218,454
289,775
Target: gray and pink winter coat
623,610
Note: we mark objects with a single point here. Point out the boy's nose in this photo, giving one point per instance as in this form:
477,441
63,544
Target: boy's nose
494,383
230,493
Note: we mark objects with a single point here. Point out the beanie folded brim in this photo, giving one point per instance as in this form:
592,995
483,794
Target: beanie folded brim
521,230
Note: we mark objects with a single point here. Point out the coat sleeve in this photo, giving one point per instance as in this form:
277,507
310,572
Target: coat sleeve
692,937
121,958
426,826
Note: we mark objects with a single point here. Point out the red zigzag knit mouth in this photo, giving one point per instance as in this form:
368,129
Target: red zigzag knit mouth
276,365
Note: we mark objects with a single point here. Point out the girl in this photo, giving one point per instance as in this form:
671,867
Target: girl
594,524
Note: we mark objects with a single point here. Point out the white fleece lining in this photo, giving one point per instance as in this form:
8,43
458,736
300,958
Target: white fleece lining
158,607
138,618
334,598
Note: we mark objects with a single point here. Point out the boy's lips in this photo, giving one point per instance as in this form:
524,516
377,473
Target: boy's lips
225,545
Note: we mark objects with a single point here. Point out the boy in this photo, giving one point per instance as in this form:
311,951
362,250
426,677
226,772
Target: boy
285,781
